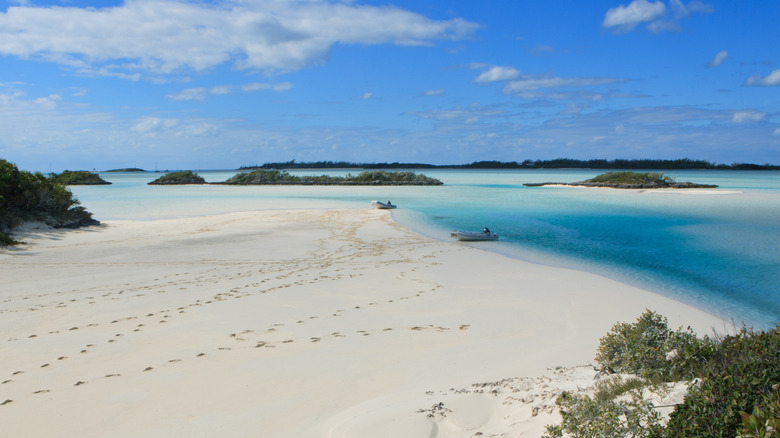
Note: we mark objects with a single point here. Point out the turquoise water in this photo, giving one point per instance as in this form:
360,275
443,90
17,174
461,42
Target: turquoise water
717,249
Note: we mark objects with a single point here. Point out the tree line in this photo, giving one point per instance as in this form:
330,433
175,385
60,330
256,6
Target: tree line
558,163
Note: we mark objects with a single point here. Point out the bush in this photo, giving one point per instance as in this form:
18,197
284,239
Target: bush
648,348
26,197
742,376
584,416
736,394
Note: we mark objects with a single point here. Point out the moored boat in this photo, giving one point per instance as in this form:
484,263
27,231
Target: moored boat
383,205
473,235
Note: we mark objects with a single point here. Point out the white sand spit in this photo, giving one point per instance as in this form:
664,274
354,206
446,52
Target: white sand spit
330,323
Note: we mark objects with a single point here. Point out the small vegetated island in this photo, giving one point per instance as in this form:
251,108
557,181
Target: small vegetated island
78,178
630,180
276,177
179,178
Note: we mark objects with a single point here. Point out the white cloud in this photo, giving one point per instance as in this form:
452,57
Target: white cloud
438,92
777,131
165,36
198,93
152,125
719,58
658,17
497,74
470,114
626,18
748,116
221,89
201,93
258,86
531,83
365,96
773,79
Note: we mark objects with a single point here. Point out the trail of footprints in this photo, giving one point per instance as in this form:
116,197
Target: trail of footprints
251,289
243,336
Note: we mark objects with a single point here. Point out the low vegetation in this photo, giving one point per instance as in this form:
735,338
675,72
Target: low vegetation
376,177
631,178
32,197
78,177
733,384
181,177
559,163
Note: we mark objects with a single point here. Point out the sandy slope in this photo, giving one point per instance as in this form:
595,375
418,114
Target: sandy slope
327,323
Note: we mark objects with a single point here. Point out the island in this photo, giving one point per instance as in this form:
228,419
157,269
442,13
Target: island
179,178
127,169
630,180
367,178
78,178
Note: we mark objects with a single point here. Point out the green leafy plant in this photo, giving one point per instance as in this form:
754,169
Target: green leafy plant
649,348
26,196
584,417
742,376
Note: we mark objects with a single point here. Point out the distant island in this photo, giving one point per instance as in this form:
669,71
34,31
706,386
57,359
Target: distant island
630,180
179,178
128,169
559,163
78,178
276,177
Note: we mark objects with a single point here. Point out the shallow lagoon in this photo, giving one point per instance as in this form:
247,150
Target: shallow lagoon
717,249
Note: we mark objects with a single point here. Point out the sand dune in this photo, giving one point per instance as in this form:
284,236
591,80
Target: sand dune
327,323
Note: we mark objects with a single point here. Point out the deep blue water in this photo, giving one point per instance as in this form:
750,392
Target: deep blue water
718,249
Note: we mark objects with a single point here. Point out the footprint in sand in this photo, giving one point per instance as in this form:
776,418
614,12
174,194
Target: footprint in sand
41,391
6,402
79,383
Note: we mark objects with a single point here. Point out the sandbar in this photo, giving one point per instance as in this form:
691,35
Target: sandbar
290,324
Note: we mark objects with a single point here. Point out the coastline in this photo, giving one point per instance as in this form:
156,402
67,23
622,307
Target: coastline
285,323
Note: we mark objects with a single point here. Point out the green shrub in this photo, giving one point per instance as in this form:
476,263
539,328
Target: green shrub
26,196
764,421
584,417
742,376
648,348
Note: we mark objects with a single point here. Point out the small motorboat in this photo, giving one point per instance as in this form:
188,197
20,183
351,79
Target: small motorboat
473,235
383,205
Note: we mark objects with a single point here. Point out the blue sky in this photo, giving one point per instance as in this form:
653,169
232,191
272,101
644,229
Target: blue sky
221,84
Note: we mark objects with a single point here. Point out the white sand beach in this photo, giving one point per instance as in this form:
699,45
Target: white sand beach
290,324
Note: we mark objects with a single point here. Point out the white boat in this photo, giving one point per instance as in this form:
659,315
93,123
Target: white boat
473,235
383,205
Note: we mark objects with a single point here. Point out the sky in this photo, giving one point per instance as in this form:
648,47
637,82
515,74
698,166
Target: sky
174,84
